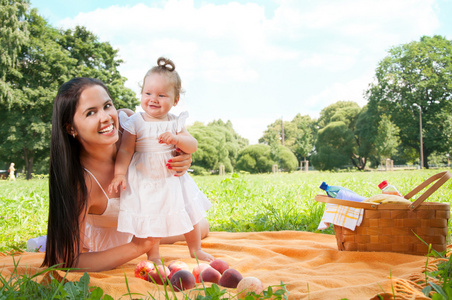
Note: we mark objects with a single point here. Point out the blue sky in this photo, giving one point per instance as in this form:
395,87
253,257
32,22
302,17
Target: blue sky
253,62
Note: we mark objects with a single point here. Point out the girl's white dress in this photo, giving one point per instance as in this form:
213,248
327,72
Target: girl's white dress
156,203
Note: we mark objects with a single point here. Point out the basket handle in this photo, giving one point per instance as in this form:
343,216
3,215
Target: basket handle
326,199
440,179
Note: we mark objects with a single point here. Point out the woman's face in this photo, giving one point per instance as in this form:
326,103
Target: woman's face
95,118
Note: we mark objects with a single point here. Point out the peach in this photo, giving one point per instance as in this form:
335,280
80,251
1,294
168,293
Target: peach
143,269
219,265
175,266
230,278
183,280
198,269
210,275
159,274
247,285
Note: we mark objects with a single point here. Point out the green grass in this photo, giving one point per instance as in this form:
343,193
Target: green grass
24,207
286,201
241,202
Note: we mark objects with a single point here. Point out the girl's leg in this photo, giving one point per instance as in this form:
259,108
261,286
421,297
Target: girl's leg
193,239
154,254
203,225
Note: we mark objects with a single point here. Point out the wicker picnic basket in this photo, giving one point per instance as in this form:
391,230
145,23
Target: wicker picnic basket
393,227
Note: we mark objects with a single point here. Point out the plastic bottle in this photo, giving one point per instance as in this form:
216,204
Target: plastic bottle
38,243
389,189
342,193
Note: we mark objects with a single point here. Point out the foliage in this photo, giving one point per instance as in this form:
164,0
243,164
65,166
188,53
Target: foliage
39,60
24,212
438,283
97,59
339,139
43,66
14,35
298,135
286,160
334,146
365,132
255,159
387,139
417,77
218,143
21,285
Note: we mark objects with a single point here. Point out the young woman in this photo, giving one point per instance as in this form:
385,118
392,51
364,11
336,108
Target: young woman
82,217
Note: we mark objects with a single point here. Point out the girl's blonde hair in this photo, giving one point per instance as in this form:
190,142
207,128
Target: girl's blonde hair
166,67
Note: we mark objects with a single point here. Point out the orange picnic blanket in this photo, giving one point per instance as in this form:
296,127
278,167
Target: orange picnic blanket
308,263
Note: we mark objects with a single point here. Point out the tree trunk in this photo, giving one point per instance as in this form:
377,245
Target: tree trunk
28,163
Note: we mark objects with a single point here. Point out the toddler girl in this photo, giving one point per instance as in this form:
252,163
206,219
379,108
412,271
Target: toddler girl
156,202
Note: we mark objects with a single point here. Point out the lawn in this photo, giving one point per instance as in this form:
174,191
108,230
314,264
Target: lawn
241,202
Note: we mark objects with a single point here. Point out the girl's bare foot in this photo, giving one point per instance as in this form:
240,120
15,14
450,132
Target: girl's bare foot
156,260
201,255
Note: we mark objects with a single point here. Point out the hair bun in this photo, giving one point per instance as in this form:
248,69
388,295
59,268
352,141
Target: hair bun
166,64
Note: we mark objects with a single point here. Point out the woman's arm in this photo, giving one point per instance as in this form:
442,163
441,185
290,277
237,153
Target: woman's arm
114,257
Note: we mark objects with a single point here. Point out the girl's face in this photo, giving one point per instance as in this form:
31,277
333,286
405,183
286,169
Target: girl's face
157,97
95,118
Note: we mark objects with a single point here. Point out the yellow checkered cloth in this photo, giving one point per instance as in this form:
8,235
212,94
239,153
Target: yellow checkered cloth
345,216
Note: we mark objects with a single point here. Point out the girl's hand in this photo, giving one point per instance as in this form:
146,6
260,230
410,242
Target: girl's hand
168,138
119,180
179,163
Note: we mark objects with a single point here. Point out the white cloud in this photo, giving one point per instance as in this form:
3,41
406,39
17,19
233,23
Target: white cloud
251,128
329,62
352,90
227,54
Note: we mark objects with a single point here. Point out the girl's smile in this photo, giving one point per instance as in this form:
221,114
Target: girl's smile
157,97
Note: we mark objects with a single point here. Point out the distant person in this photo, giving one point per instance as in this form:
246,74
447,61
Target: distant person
82,224
154,202
11,170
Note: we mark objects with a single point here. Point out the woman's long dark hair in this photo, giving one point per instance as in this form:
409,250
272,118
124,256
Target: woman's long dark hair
67,189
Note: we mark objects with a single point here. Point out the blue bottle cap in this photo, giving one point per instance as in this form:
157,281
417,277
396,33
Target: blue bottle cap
324,186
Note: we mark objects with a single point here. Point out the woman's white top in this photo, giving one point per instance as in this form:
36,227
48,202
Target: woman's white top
101,231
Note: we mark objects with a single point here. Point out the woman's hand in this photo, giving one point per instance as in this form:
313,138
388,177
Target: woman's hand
144,245
179,163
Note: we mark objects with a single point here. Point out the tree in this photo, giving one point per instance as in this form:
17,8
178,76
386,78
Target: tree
42,66
14,35
416,76
334,146
387,139
284,157
273,135
298,135
338,139
304,136
218,143
97,59
365,132
255,159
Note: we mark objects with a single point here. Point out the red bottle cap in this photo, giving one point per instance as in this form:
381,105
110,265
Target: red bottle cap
383,184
